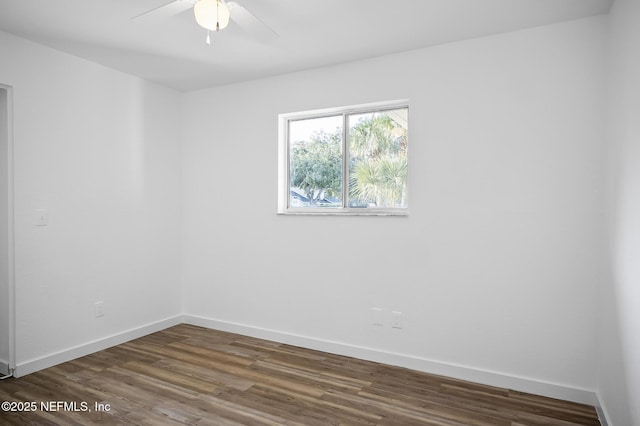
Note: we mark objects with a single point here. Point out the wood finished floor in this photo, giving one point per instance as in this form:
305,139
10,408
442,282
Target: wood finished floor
193,375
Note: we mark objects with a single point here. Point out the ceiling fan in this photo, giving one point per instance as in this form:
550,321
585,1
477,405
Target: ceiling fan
213,15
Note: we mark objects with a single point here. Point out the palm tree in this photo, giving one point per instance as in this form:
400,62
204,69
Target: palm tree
378,166
380,181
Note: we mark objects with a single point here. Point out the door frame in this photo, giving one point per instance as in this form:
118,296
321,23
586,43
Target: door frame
10,232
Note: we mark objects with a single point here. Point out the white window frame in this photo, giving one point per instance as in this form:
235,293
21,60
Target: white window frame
284,161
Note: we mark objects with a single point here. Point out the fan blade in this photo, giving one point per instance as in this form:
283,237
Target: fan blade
249,22
166,10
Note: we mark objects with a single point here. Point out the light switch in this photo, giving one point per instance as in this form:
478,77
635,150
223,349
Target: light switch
42,217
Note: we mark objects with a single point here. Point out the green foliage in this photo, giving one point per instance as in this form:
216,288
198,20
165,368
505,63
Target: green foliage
378,171
380,181
377,164
316,166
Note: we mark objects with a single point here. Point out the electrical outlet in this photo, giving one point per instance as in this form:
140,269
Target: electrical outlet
98,309
376,317
41,217
396,319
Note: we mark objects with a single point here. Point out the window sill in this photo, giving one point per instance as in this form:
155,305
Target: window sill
343,212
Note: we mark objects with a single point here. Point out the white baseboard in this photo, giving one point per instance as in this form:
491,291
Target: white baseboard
47,361
4,368
490,378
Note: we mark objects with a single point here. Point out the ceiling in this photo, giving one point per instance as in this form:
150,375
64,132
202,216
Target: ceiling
171,51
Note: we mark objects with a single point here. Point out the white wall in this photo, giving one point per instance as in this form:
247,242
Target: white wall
619,362
497,266
100,150
4,233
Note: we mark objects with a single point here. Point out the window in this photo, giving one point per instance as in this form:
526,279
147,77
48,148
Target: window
350,160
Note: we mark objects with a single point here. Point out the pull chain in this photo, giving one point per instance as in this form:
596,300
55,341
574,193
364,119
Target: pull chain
217,22
217,15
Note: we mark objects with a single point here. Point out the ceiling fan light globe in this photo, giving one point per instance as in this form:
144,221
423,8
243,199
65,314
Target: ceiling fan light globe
211,13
